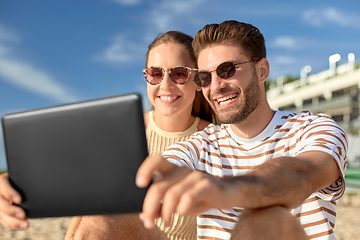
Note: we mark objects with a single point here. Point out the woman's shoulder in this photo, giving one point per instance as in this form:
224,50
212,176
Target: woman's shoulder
146,119
202,124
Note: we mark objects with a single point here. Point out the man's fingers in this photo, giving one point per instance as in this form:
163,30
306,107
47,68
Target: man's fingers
184,180
153,168
152,204
154,201
152,165
196,199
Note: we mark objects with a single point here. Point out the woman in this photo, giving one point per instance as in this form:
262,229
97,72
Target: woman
179,109
177,102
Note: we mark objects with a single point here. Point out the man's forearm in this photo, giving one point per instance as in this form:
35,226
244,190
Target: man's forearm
285,181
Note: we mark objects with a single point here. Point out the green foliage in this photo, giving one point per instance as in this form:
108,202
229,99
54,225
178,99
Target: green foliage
290,78
352,176
357,65
267,84
352,173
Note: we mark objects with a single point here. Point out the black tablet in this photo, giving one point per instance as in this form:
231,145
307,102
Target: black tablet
77,159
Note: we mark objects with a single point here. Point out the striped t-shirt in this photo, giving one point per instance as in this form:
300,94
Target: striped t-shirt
218,151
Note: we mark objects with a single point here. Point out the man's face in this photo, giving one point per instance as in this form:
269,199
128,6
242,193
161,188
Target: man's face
235,98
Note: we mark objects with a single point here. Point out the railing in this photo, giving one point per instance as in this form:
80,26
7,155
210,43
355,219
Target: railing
311,79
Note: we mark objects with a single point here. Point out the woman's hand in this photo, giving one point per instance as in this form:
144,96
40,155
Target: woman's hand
11,216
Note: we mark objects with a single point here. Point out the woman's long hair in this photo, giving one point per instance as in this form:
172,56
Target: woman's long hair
201,107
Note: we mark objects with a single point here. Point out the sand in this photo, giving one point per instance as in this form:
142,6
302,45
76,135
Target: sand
40,229
347,224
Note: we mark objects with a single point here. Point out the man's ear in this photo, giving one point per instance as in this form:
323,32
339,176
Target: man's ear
263,69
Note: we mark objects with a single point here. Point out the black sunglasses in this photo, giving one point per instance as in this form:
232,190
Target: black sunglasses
224,71
178,75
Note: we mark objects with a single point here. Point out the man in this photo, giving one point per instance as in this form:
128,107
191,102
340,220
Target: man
262,174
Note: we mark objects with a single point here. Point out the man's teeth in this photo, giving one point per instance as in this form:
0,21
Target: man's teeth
167,98
227,99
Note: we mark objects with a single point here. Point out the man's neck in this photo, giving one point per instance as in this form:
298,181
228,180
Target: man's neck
254,124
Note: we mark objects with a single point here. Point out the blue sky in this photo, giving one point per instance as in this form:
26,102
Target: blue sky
59,52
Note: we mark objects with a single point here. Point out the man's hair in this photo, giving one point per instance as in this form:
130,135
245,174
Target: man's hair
234,33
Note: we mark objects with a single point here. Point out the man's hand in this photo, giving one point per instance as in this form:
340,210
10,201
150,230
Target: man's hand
11,216
180,190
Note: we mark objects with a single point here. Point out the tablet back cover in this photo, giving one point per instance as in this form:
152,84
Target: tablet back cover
77,159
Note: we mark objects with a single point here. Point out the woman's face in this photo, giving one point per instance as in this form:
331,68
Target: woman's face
169,98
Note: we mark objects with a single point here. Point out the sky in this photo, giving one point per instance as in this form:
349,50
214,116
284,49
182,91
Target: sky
60,52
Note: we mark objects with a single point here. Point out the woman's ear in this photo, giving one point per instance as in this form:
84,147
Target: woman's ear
263,69
198,88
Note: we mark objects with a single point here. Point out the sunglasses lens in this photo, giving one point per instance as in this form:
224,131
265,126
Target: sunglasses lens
202,79
154,76
226,70
179,75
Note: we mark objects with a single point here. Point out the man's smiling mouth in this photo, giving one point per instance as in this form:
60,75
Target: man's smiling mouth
227,99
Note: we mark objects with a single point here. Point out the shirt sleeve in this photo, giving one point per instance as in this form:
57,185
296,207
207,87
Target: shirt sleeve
186,153
325,135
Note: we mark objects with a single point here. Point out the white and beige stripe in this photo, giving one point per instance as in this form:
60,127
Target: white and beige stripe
218,151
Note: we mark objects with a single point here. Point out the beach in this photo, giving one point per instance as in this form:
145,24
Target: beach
347,224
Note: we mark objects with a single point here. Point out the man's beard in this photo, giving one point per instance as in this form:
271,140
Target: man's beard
249,100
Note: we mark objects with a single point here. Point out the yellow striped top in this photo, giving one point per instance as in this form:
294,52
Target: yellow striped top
182,228
158,139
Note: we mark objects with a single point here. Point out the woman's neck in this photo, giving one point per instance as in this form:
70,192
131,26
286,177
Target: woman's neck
174,123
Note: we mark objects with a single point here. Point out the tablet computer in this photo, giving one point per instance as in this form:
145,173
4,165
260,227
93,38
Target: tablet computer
77,159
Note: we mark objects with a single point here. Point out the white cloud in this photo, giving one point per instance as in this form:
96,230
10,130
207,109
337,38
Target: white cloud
29,78
284,59
295,43
162,22
7,35
121,50
320,17
26,76
164,15
127,2
284,42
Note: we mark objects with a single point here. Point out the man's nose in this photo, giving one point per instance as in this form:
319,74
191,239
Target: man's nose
216,82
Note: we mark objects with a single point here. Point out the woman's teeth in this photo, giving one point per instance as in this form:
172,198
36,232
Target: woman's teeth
164,98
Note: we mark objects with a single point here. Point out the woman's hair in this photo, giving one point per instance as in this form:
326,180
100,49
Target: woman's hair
232,32
201,107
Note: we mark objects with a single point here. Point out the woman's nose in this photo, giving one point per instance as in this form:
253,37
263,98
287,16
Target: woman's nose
166,83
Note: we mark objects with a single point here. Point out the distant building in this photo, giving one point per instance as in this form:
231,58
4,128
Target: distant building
335,91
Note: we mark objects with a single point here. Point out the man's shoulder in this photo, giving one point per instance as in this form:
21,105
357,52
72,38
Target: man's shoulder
304,117
288,122
212,131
